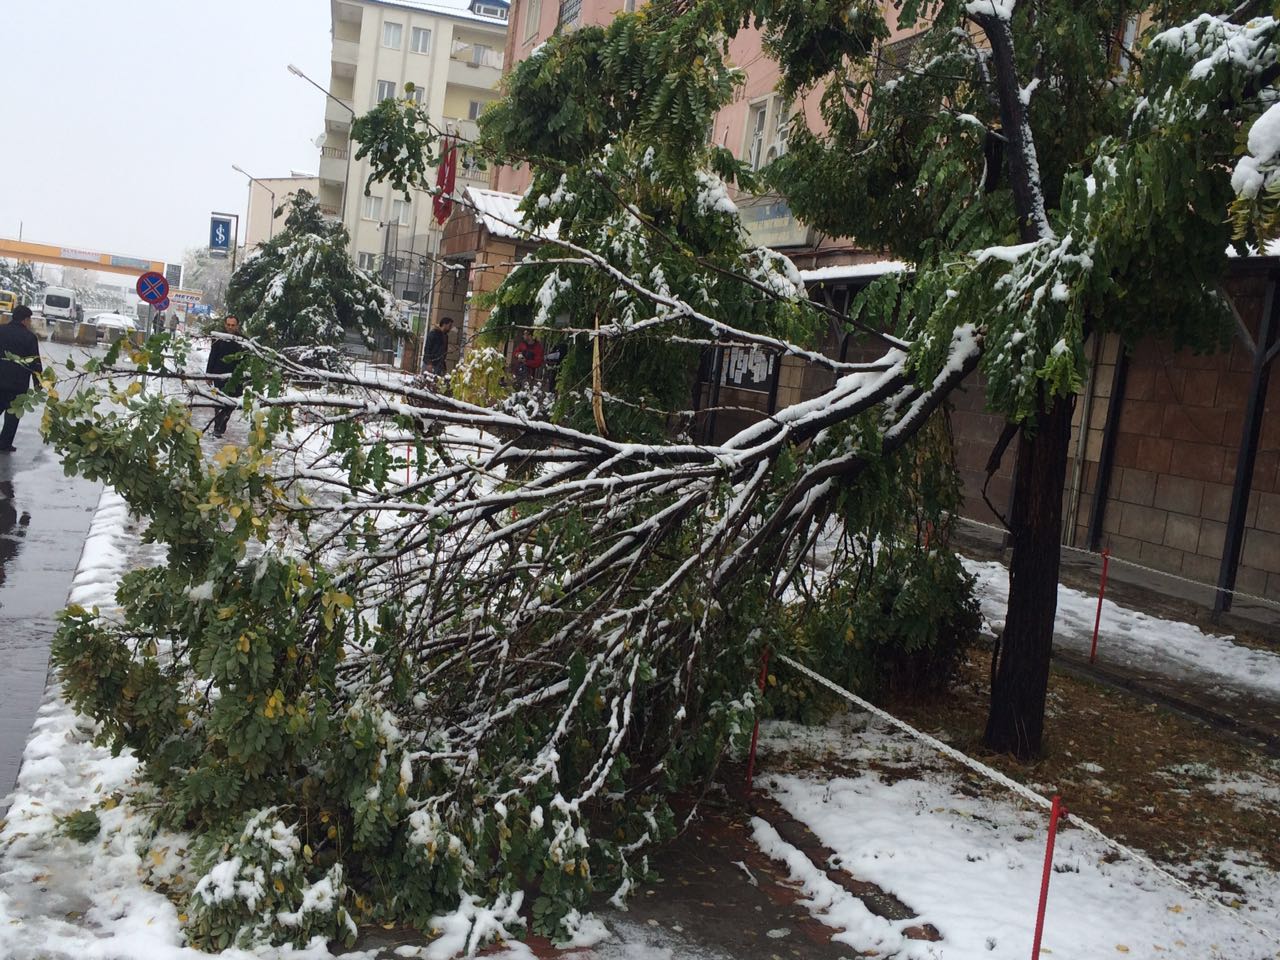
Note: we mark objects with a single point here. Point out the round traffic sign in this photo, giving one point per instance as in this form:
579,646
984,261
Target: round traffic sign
153,287
162,305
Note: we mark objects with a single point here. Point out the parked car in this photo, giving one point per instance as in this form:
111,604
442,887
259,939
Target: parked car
113,321
8,300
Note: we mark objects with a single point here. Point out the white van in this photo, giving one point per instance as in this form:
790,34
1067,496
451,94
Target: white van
59,303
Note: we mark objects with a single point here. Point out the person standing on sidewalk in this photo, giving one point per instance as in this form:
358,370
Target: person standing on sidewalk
437,347
223,357
16,377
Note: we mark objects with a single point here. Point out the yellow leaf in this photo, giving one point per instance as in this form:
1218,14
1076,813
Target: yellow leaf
182,918
135,388
235,512
279,885
1121,948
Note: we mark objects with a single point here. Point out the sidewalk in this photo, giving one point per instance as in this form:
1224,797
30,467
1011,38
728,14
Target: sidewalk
1155,638
44,517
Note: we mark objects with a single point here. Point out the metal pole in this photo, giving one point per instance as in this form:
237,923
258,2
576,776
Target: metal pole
1248,454
1106,459
346,182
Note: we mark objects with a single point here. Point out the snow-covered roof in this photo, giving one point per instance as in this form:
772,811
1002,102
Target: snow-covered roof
449,8
854,271
499,214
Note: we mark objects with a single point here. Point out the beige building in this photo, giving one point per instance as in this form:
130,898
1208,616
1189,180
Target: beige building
452,52
268,194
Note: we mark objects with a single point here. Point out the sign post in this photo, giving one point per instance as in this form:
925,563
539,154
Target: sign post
153,287
223,238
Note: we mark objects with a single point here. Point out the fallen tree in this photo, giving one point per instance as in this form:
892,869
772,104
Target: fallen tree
411,656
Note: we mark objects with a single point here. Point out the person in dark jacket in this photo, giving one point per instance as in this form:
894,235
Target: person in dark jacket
223,357
437,347
16,377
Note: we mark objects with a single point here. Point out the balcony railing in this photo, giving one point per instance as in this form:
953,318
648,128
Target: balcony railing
476,55
333,153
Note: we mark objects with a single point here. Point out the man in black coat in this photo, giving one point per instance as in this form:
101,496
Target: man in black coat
437,347
222,363
16,377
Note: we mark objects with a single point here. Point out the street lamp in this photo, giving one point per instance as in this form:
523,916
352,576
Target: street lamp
347,179
271,221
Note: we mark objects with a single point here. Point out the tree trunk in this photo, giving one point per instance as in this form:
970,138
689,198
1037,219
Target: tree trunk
1020,673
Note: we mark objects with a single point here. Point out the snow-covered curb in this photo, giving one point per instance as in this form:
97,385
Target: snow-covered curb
971,864
1138,640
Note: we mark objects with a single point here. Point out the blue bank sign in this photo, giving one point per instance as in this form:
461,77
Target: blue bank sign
219,236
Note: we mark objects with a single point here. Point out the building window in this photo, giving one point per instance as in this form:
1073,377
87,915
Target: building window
416,95
629,6
365,261
474,108
386,90
756,120
570,10
391,34
532,16
480,53
420,41
400,212
372,208
489,10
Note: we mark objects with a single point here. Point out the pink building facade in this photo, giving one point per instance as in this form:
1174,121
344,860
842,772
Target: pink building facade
753,127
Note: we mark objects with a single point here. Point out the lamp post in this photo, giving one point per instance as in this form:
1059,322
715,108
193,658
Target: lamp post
347,179
271,219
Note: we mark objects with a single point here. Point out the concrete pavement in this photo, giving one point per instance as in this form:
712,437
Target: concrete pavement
44,517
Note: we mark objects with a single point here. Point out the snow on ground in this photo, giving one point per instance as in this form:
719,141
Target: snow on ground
972,865
1138,641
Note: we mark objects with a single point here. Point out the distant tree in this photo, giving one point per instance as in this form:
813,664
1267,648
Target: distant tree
301,289
20,277
208,274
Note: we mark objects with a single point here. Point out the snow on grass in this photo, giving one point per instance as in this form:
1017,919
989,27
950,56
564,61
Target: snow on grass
971,866
1139,641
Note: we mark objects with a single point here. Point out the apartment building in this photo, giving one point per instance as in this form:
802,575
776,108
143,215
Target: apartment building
268,195
452,53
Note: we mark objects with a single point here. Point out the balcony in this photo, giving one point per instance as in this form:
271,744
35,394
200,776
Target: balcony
338,115
333,164
346,52
465,129
475,65
465,73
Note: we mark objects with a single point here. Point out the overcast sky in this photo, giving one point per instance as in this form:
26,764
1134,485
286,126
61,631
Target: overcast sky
121,120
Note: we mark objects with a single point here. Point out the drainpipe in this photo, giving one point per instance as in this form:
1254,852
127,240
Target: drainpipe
1077,473
1106,459
1263,352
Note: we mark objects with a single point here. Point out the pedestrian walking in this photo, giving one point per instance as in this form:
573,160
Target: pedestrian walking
16,376
437,347
223,357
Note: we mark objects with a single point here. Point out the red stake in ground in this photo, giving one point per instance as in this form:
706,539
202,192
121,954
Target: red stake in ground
1102,589
755,731
1058,811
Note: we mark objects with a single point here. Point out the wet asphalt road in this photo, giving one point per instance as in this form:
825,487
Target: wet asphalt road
44,517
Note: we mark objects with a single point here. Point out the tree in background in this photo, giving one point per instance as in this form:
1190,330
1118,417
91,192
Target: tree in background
20,277
208,274
301,288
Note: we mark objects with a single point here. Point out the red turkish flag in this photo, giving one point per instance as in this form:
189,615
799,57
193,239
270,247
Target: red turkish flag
446,177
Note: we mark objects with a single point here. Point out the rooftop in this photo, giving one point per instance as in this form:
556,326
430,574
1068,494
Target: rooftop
461,9
499,213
